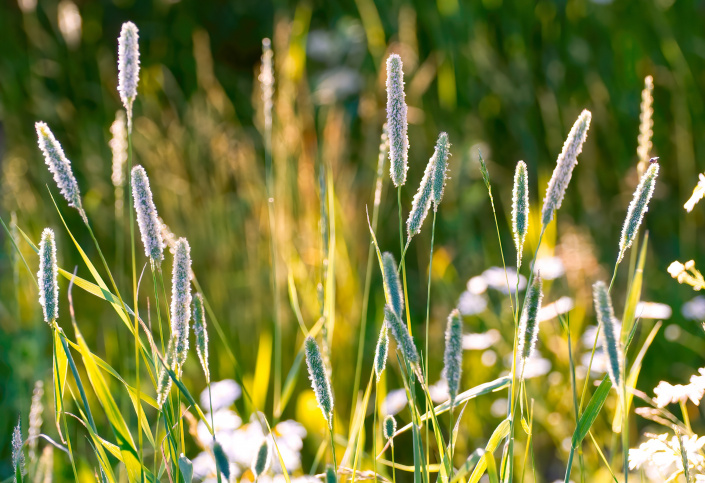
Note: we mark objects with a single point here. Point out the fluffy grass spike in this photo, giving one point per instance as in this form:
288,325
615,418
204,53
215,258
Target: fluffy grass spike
646,125
421,202
381,351
266,79
147,218
35,419
392,284
529,324
201,333
563,171
118,147
60,166
164,381
17,454
401,334
520,209
397,121
128,67
389,427
319,379
47,277
440,169
263,459
453,357
637,208
610,332
181,300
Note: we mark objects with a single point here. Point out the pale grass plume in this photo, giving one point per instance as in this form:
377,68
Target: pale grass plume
392,284
405,342
520,209
147,218
529,324
610,326
698,193
164,380
397,121
381,351
128,67
201,333
440,169
565,164
45,467
70,23
118,147
60,167
637,208
47,277
453,356
383,152
181,300
320,381
266,79
35,419
17,454
646,125
421,202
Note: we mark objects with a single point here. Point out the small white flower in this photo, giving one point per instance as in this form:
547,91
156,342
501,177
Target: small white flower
653,310
676,268
471,304
561,306
477,285
224,393
496,279
667,393
481,341
394,402
551,268
694,309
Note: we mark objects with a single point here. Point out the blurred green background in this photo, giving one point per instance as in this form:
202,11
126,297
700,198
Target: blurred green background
507,77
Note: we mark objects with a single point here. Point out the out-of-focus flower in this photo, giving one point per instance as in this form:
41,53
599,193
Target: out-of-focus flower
471,304
394,402
224,392
559,307
550,267
663,454
70,23
534,366
496,279
481,341
439,391
477,285
599,361
667,393
653,310
694,309
698,193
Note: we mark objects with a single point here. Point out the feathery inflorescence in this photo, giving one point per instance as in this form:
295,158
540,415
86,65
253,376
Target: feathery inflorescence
35,419
164,381
319,379
266,79
147,218
118,147
637,208
397,121
17,454
646,124
453,357
401,334
421,203
128,67
60,166
383,152
563,171
381,351
520,209
392,284
262,459
47,277
440,169
389,427
610,326
529,324
201,333
181,300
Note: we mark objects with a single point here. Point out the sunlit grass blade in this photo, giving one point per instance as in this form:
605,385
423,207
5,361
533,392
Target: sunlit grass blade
500,432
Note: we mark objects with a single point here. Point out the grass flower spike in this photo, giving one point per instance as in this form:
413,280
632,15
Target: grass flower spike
440,168
266,79
646,124
381,351
610,332
392,285
47,277
181,300
401,334
389,427
421,202
147,218
453,357
118,146
263,459
397,121
164,381
59,166
520,209
128,67
201,333
35,419
563,171
17,454
637,208
319,379
529,324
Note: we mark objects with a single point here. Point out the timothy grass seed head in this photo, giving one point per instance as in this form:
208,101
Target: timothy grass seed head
47,277
529,324
181,299
611,343
646,124
266,79
563,171
263,459
397,121
201,333
637,208
128,66
401,334
440,168
164,381
59,166
389,427
381,351
319,379
421,202
118,147
147,218
17,454
453,357
392,285
520,209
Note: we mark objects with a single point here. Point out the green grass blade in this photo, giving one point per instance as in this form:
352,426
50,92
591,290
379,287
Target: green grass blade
634,294
500,432
593,408
60,368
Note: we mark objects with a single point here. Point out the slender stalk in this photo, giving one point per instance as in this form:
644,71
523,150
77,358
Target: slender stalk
428,313
63,412
374,437
403,263
625,429
394,470
210,401
332,446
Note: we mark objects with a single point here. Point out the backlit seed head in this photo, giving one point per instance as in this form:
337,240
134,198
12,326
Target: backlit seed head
637,208
646,125
147,218
319,379
440,168
47,277
164,380
266,79
59,166
35,418
529,324
118,146
17,454
564,167
201,333
405,342
262,460
421,202
453,357
381,351
397,121
392,285
383,152
128,66
389,427
181,299
520,209
611,329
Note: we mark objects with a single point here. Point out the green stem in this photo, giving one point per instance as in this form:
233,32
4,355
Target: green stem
428,313
394,470
63,412
332,445
403,262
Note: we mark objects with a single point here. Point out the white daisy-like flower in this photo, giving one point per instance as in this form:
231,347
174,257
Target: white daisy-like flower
667,393
224,393
394,402
477,285
653,310
481,341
